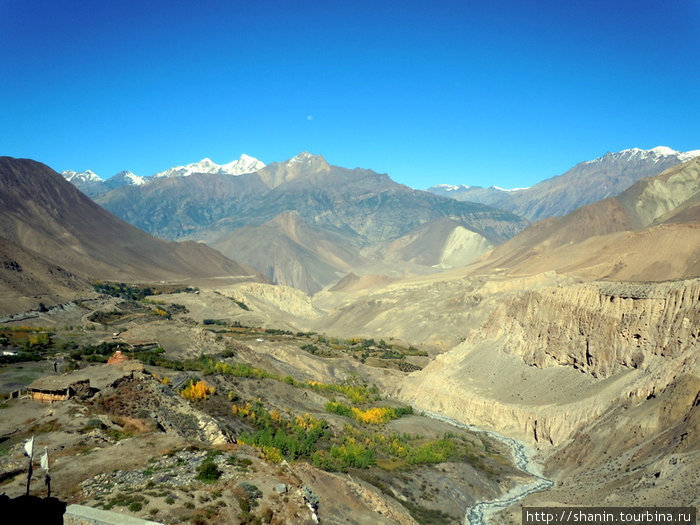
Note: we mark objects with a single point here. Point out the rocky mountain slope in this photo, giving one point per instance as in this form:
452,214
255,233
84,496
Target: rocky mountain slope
648,232
576,369
347,217
595,242
585,183
42,212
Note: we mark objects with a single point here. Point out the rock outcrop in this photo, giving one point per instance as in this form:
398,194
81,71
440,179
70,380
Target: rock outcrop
598,328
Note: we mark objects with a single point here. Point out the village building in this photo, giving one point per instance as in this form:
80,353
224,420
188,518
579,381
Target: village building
57,388
83,382
117,358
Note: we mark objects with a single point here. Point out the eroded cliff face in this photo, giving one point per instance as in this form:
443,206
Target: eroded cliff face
548,362
599,328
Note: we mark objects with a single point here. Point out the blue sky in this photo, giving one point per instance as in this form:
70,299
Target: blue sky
480,93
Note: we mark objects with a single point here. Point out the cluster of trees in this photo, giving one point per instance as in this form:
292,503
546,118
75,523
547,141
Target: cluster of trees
161,312
137,293
342,457
281,437
218,322
412,449
124,291
358,394
362,349
307,437
94,353
373,415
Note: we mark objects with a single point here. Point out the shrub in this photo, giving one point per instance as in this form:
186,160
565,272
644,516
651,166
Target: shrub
312,349
289,380
341,409
208,472
162,313
272,454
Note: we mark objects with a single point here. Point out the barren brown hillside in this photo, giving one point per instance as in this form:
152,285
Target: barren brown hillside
41,211
649,232
27,279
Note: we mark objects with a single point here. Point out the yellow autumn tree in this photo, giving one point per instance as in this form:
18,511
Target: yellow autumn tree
374,416
196,391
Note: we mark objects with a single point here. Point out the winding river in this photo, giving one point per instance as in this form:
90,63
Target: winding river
480,513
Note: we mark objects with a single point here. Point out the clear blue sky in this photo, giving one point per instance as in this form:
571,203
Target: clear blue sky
474,92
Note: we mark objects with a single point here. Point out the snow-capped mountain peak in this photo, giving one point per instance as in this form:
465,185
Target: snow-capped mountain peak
245,164
302,158
654,154
127,177
306,161
663,150
451,187
509,190
81,176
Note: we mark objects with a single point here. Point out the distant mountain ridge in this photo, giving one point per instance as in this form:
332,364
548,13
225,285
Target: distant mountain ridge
93,185
585,183
307,223
338,215
648,232
245,164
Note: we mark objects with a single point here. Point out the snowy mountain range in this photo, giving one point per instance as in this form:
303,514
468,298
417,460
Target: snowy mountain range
245,164
92,184
657,154
587,182
446,188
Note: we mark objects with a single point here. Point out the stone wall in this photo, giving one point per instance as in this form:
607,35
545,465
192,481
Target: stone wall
81,515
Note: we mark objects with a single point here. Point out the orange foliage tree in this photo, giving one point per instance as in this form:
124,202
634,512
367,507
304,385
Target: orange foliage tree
196,391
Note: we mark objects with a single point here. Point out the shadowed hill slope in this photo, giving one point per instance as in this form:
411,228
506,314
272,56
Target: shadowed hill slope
42,212
28,279
288,250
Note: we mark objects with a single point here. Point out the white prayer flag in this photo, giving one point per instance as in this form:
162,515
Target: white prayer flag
29,447
45,460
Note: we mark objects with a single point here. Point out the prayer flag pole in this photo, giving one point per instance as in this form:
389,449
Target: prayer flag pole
29,450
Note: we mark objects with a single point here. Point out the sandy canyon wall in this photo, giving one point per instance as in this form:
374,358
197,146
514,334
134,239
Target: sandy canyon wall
547,362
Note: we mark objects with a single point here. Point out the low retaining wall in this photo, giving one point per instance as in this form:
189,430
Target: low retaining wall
81,515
